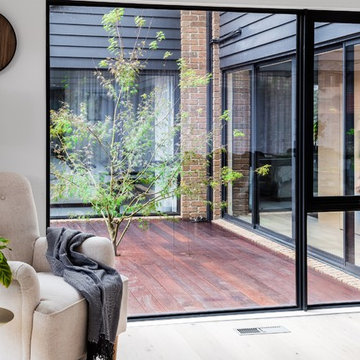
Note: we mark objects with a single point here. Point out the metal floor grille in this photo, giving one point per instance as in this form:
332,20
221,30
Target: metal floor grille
263,330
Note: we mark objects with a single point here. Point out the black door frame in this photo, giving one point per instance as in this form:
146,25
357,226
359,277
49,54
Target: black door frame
320,204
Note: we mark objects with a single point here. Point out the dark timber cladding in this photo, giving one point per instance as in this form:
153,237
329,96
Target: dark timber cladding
78,40
268,35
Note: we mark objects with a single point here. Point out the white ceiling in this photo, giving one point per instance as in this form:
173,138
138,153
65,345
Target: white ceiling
295,4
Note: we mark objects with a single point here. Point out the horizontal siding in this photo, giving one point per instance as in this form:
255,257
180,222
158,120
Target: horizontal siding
100,10
227,17
268,35
96,52
126,21
93,31
262,36
328,32
78,40
242,22
87,63
256,41
259,53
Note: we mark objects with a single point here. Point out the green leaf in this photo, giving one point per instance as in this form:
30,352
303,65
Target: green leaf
139,21
167,54
160,36
238,133
153,45
3,240
5,271
225,116
263,170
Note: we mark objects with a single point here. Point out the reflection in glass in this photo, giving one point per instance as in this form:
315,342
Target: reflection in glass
326,232
274,113
337,134
239,136
328,124
333,243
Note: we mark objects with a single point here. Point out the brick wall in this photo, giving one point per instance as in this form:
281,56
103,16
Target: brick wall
193,111
193,123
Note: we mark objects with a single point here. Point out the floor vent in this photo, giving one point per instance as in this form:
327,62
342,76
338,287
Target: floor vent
263,330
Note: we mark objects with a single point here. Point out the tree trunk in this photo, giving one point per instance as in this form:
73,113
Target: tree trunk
115,247
112,230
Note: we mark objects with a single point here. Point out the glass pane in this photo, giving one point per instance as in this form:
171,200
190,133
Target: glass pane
186,263
239,139
333,249
328,124
76,87
274,119
326,232
336,111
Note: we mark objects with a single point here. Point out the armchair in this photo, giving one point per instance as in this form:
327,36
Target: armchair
50,321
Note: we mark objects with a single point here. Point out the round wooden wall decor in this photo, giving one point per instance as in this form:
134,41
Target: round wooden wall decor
7,42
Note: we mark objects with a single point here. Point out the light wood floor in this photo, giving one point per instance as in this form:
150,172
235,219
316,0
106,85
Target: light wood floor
313,336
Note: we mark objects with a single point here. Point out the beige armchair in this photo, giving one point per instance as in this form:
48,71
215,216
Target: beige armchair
50,321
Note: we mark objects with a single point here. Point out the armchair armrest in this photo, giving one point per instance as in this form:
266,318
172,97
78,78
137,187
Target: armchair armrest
98,248
40,262
21,297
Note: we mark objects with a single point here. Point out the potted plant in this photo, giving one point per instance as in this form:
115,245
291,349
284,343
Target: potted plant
5,271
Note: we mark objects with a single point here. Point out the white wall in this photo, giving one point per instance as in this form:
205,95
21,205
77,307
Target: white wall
23,87
22,98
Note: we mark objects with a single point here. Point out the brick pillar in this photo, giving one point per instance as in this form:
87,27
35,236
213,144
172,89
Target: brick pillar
193,111
217,111
241,120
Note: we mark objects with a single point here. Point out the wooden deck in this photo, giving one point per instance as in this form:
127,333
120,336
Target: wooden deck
176,267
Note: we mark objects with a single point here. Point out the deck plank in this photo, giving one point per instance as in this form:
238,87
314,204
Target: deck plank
179,266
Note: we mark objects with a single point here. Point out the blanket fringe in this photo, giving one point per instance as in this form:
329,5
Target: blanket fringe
102,350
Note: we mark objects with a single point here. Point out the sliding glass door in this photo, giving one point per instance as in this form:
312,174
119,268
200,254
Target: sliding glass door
274,146
333,223
260,138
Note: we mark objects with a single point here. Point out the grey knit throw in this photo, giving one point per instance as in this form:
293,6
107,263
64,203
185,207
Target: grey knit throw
100,285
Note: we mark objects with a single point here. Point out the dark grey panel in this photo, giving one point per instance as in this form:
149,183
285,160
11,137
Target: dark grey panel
96,41
102,10
243,21
230,16
259,40
86,63
93,31
277,48
266,25
91,19
330,32
87,30
76,34
266,35
101,53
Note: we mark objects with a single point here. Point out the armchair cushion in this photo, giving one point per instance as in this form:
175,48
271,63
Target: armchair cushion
55,294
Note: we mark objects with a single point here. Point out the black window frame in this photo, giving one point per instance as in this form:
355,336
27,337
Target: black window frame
305,201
